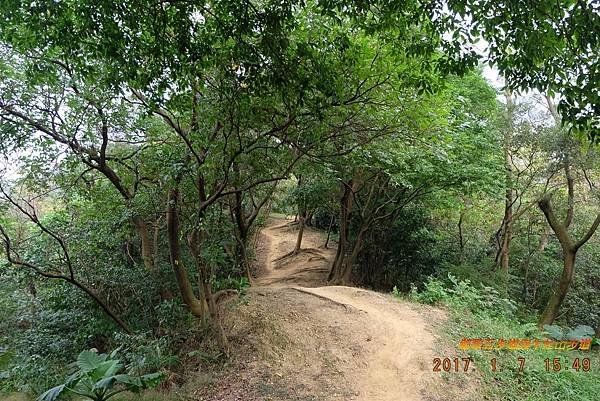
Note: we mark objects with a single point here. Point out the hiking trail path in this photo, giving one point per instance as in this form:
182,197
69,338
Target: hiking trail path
393,343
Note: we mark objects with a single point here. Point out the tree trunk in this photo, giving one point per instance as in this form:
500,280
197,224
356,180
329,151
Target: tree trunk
346,202
181,275
367,217
309,219
239,219
570,249
206,290
244,256
243,222
560,292
461,240
543,240
215,318
302,219
331,220
194,241
505,251
509,195
206,301
570,191
149,255
345,276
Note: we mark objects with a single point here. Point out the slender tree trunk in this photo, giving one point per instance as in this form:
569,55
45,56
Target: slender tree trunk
207,300
181,275
367,217
243,222
560,292
204,276
346,202
570,249
561,230
461,240
345,276
301,216
149,255
194,241
543,240
244,256
309,219
331,220
509,195
505,251
302,222
570,191
239,219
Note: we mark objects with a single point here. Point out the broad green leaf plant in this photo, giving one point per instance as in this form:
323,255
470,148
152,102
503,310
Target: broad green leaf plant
99,379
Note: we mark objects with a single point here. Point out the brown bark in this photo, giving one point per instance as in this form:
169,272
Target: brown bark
181,275
346,273
242,233
559,294
509,195
543,240
570,191
194,245
346,203
204,288
345,265
243,222
505,250
461,240
301,216
331,220
368,214
570,249
302,222
207,300
309,219
561,230
149,248
566,165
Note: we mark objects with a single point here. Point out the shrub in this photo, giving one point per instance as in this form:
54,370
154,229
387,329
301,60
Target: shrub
98,379
464,295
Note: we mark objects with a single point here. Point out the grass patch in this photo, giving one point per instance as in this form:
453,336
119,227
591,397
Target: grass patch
482,313
14,397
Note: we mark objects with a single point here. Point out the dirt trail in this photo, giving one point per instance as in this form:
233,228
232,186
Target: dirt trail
384,347
309,268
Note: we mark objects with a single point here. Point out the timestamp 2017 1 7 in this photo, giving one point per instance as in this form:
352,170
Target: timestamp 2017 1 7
550,365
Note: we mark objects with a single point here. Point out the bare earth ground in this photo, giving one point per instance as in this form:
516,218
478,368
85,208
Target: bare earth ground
297,339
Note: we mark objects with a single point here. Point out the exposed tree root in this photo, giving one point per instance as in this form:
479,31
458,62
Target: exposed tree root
346,306
287,255
314,251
